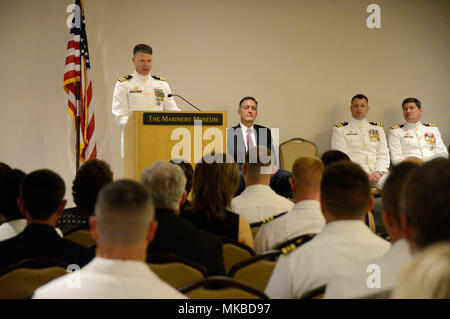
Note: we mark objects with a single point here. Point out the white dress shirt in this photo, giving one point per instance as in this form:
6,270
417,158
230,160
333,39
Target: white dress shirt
106,278
352,282
304,218
419,140
245,132
341,244
258,202
365,144
12,228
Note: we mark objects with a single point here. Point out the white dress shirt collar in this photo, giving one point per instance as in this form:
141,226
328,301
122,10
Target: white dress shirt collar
142,77
357,122
410,126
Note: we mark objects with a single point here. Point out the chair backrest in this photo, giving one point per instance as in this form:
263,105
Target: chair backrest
220,287
234,252
175,270
255,271
293,243
316,293
21,279
82,237
292,149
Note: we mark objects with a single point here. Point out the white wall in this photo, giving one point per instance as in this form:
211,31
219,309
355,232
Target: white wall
302,60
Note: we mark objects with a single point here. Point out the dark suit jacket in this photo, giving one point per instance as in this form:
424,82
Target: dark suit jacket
38,240
236,144
177,236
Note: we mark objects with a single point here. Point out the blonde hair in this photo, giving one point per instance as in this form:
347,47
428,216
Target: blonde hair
307,172
215,183
427,276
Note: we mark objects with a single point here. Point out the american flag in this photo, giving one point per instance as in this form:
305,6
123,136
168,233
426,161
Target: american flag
77,70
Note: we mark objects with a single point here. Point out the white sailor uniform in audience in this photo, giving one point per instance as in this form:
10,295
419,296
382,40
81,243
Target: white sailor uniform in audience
137,92
304,218
341,244
364,142
353,281
419,140
105,278
258,202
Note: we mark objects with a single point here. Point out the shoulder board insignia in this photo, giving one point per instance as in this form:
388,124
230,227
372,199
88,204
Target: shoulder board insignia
341,124
397,126
377,124
430,124
125,78
266,220
297,243
159,78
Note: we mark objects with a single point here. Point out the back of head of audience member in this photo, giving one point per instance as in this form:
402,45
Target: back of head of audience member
166,185
391,198
334,156
216,180
258,166
345,192
123,223
90,178
427,276
413,159
42,197
425,204
188,172
4,168
9,192
306,178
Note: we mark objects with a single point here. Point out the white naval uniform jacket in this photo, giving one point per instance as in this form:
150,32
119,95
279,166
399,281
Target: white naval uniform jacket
419,140
136,92
364,142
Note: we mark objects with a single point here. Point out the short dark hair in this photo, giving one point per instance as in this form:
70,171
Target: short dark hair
41,192
90,178
425,201
392,188
360,96
412,99
4,168
9,191
143,48
247,98
187,170
345,190
333,156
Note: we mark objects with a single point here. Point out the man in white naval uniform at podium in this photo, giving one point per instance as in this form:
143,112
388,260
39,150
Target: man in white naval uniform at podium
413,138
141,91
364,142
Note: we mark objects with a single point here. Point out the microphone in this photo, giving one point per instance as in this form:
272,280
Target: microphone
170,95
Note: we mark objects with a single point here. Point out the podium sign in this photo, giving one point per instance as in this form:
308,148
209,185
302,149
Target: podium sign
152,136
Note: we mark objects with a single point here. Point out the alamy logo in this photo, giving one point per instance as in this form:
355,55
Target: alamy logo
74,279
374,279
374,20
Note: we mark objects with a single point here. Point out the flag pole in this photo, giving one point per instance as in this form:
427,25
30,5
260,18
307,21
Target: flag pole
77,152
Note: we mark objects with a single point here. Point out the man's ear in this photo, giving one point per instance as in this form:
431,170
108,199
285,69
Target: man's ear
244,169
152,230
60,209
93,227
183,198
21,206
291,182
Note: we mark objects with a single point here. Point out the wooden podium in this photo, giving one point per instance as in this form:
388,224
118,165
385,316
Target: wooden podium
152,136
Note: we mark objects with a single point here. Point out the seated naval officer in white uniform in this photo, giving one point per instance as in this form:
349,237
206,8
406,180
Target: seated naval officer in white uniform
123,226
413,138
258,201
141,91
364,142
305,217
345,240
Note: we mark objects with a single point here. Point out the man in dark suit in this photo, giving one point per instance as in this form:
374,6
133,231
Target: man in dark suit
246,134
42,202
166,184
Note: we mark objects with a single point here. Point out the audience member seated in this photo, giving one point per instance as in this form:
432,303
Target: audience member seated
188,173
351,283
216,178
123,226
14,222
427,276
3,169
258,201
90,178
42,202
345,240
166,184
306,216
